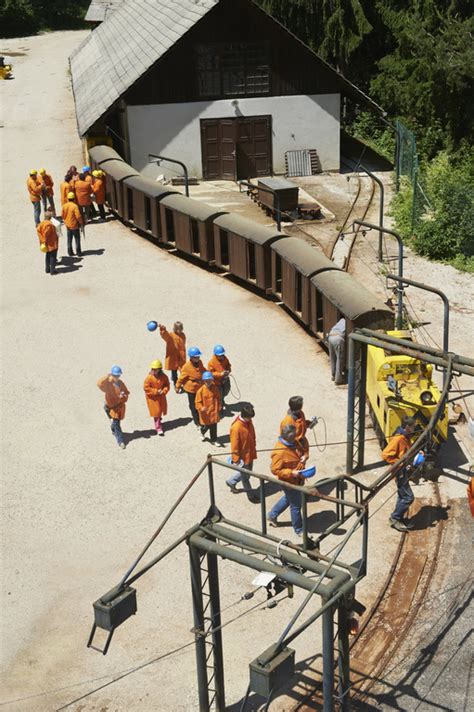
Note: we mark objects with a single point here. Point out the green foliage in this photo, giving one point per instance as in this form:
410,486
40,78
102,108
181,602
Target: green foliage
445,229
376,134
19,18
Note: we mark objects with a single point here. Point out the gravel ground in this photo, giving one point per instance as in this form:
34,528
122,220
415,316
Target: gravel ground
75,508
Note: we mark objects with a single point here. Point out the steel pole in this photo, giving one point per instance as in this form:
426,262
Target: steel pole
344,655
381,204
362,394
350,407
328,660
179,163
200,640
216,634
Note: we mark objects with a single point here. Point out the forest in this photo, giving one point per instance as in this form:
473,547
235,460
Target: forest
415,58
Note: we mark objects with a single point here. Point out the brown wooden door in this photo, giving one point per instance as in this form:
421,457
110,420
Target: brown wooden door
236,148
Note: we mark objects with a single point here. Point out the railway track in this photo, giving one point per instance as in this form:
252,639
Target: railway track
342,247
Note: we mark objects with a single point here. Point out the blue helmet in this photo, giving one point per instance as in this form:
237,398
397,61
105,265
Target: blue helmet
219,350
116,371
419,459
207,376
152,326
194,352
86,169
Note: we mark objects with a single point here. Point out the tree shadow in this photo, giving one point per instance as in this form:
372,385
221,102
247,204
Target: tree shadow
428,516
138,435
176,423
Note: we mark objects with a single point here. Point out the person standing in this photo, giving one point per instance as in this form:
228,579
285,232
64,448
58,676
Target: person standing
49,242
34,192
83,190
156,386
220,367
116,396
295,416
243,444
175,348
47,190
98,187
287,462
65,188
190,380
208,405
398,446
74,221
337,347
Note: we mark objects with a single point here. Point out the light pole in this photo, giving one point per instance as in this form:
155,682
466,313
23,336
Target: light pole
172,160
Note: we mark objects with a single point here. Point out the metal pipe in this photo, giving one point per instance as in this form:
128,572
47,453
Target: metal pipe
351,386
162,555
173,160
380,228
344,654
362,398
275,194
304,517
198,617
382,196
212,493
328,660
215,609
441,294
263,506
457,358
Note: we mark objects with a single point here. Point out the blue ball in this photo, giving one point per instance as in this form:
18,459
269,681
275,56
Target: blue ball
152,325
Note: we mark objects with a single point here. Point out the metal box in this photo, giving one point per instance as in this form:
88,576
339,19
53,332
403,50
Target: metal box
111,614
286,190
266,677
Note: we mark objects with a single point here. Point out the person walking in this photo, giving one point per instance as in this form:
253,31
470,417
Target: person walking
175,357
116,396
49,242
156,386
243,444
190,380
74,221
208,405
337,347
34,192
287,462
295,416
83,190
98,187
220,367
47,190
397,447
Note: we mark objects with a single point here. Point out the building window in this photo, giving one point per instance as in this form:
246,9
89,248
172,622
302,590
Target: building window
234,69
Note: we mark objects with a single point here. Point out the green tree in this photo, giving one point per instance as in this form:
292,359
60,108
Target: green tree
17,18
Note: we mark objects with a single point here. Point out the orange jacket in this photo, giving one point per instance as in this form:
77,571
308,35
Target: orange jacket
46,182
208,404
190,377
156,402
284,460
83,189
34,189
64,189
398,446
243,442
116,395
98,186
175,349
300,425
47,235
89,179
470,495
217,368
72,215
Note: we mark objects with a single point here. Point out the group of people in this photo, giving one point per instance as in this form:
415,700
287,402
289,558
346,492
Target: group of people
78,192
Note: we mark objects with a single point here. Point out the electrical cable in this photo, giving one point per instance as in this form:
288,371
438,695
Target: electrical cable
321,448
235,394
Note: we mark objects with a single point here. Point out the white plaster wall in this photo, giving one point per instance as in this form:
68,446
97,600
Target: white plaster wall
174,129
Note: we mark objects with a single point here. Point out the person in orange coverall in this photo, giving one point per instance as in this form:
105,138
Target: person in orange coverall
175,348
398,446
190,380
83,190
34,192
98,186
220,367
116,395
47,190
156,386
73,220
295,416
208,405
243,444
66,187
49,242
287,462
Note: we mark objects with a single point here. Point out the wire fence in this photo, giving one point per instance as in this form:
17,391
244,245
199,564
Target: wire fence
407,165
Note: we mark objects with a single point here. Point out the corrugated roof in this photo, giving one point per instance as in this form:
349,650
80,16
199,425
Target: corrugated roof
101,154
118,169
194,208
124,47
248,229
100,10
148,187
306,259
348,295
